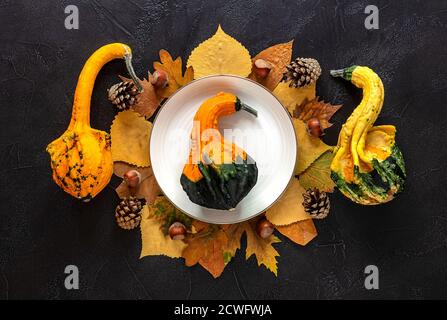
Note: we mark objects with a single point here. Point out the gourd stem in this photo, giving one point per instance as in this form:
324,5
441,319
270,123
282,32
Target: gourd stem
337,73
242,106
128,60
249,109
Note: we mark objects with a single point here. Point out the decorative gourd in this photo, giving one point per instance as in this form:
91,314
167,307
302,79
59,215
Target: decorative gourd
81,158
218,174
367,167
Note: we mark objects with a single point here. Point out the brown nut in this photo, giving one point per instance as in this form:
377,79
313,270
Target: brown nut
314,127
264,228
262,68
132,178
159,79
177,231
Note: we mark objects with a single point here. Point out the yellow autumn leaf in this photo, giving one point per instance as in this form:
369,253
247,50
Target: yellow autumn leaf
262,248
234,233
290,97
173,69
220,54
289,208
318,175
154,242
278,56
310,148
130,138
301,232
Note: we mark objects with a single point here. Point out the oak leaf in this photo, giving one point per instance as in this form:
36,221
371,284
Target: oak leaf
301,232
130,138
154,242
173,68
148,187
289,208
290,96
206,248
310,148
220,54
316,109
147,101
318,174
278,56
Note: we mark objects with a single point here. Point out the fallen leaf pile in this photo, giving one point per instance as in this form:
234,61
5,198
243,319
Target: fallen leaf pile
214,246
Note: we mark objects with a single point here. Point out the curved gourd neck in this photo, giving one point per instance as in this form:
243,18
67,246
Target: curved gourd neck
84,88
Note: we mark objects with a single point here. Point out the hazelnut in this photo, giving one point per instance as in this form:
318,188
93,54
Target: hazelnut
264,228
314,127
159,79
177,231
132,178
262,68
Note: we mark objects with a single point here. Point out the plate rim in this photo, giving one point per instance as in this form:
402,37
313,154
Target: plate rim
296,149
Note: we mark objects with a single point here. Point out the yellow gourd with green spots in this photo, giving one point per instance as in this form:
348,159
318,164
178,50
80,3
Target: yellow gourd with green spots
367,166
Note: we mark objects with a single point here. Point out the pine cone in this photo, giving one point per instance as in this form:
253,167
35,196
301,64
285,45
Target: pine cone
316,203
302,72
123,94
128,213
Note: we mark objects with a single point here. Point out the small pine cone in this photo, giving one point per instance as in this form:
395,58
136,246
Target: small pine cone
123,94
316,203
128,213
302,72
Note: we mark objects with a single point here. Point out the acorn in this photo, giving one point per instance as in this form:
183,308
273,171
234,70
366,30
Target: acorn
159,79
132,178
314,127
264,228
262,68
177,231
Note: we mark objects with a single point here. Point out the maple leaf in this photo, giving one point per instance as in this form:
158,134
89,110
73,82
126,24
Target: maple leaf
289,208
290,96
318,174
263,249
316,109
147,101
310,148
206,248
148,187
220,54
301,232
234,233
173,68
130,138
279,57
154,242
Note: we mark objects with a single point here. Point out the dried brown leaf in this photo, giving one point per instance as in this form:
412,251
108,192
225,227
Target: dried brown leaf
148,189
147,101
279,57
316,109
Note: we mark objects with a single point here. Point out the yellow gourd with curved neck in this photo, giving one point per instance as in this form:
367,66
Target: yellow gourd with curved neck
81,158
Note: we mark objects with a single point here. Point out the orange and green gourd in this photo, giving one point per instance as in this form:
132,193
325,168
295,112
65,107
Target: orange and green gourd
367,167
81,158
218,174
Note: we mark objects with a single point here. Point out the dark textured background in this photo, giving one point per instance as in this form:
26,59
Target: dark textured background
42,229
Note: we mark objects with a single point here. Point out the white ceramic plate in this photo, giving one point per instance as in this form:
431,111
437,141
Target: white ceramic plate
269,139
